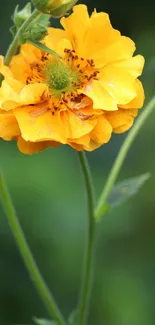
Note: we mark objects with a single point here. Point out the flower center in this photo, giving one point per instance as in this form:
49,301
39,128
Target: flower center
59,76
64,77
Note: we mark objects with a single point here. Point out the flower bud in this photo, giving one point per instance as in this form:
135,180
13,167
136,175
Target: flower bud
36,32
55,8
20,16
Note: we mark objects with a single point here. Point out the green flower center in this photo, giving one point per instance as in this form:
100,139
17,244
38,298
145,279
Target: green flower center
60,77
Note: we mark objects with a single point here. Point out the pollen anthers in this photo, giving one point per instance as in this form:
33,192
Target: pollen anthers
68,74
64,78
36,69
84,67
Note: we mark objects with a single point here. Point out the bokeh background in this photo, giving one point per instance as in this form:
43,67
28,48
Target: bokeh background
47,190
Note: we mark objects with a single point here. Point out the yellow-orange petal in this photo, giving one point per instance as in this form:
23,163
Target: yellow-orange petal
99,34
43,127
14,84
76,26
6,72
79,143
9,91
100,135
121,49
100,96
20,73
102,131
32,93
29,148
134,65
121,120
30,53
54,36
76,126
29,94
9,128
138,101
61,45
119,83
84,140
90,147
57,40
76,146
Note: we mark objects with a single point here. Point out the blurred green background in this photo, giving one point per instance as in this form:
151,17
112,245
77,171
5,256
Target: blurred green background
47,190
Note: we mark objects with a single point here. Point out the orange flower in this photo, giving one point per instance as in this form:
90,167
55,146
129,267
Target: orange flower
78,98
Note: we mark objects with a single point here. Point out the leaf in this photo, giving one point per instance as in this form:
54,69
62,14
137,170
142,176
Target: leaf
125,189
121,192
44,48
39,321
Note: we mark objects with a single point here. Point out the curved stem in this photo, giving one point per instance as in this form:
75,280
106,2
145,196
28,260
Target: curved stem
88,262
27,255
121,157
13,46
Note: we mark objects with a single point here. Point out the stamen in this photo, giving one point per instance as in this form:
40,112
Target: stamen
64,78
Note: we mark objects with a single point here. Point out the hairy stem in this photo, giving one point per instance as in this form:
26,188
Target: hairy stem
13,46
27,255
88,261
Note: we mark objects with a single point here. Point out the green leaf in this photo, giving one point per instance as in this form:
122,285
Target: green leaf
39,321
44,48
122,191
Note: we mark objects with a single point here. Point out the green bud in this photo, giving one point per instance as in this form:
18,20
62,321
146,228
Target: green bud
36,32
55,8
20,16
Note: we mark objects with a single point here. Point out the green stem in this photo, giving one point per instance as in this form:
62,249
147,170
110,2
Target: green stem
88,262
13,46
121,157
27,255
